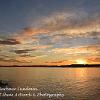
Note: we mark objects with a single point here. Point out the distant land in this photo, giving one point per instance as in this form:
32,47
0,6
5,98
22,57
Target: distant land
63,66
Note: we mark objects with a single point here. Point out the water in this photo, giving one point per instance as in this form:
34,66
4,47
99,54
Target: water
71,83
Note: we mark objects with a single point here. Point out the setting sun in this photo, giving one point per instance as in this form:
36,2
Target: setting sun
81,61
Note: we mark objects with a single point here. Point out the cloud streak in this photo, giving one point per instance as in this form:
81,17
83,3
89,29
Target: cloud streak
23,51
9,42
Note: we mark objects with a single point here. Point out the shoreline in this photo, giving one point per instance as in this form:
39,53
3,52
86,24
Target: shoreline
60,66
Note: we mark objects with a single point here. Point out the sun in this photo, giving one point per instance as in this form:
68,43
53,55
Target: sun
81,61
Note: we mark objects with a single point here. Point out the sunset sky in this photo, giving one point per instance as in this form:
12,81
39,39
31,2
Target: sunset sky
49,32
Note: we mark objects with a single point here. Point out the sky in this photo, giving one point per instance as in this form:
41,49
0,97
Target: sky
49,32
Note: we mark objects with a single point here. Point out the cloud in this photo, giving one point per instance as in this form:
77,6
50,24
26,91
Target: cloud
9,60
23,51
2,59
25,55
94,59
61,20
82,50
41,47
33,31
28,59
61,62
56,21
71,23
9,41
31,49
59,28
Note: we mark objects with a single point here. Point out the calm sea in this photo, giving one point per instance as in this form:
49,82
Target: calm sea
51,83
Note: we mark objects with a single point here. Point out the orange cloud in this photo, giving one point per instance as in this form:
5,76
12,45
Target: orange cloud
92,49
33,31
61,62
94,59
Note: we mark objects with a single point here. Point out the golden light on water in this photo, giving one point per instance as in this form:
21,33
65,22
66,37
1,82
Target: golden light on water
81,61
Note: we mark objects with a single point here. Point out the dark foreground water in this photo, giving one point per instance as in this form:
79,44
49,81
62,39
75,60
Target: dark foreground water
50,83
